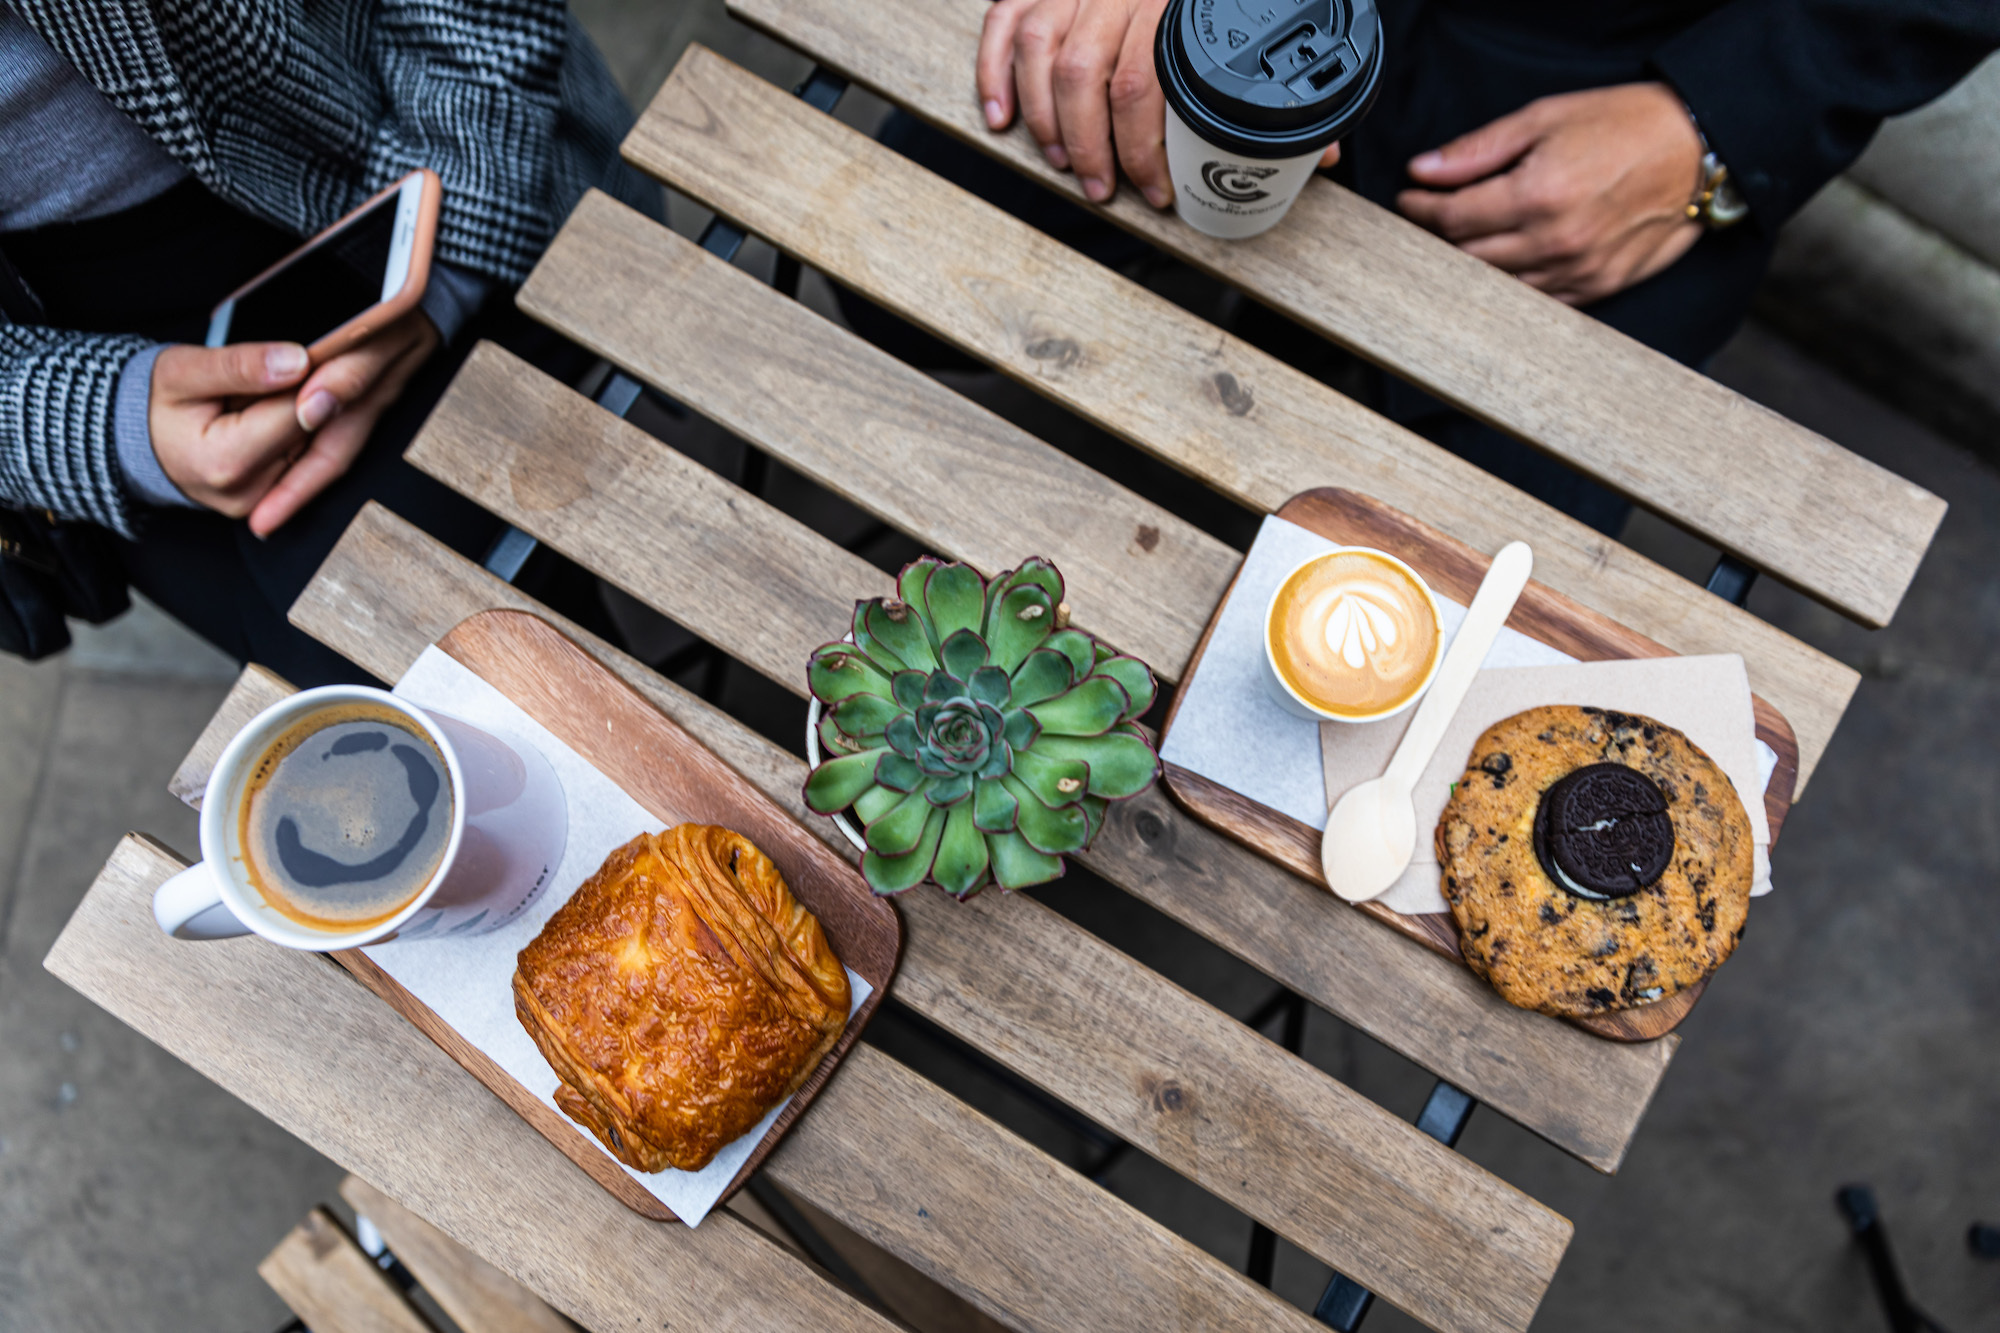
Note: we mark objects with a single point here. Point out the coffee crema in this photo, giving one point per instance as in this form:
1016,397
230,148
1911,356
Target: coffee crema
1353,634
345,817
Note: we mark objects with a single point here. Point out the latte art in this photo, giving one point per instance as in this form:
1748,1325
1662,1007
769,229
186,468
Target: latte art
1353,633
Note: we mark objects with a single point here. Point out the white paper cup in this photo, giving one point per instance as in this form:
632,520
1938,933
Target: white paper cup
1298,705
1227,194
509,827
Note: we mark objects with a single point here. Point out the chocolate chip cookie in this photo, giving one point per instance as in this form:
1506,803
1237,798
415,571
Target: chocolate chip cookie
1594,860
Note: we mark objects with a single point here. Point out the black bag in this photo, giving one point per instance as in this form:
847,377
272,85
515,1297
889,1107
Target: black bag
50,570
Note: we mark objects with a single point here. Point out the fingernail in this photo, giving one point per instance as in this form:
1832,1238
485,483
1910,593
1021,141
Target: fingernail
1430,161
1096,190
284,359
996,115
1157,197
1057,157
317,410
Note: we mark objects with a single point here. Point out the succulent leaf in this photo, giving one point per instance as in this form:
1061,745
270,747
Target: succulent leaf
990,685
1043,675
838,670
913,582
994,807
999,761
872,804
1053,831
1089,709
1079,647
961,862
896,773
1093,808
864,715
897,832
1135,677
900,631
1120,764
893,874
956,600
903,736
1032,572
1016,864
830,738
951,790
1021,620
1053,781
834,785
1021,729
963,654
907,688
942,687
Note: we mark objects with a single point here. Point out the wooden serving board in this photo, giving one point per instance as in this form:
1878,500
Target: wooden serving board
679,780
1455,570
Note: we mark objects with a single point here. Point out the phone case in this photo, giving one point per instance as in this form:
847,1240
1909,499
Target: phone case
355,330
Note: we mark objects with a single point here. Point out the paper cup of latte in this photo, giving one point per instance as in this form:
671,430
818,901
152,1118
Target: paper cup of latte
1353,635
345,815
1255,92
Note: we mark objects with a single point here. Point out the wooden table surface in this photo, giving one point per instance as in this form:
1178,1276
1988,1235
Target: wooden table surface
981,1216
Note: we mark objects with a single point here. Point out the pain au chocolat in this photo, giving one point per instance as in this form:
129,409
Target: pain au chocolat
680,995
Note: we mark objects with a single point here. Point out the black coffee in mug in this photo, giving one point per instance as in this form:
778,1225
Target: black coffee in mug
345,817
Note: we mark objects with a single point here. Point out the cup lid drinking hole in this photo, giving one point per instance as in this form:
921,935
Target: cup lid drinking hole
1270,78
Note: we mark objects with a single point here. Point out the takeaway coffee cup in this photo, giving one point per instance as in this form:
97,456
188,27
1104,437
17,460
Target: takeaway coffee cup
1256,90
487,817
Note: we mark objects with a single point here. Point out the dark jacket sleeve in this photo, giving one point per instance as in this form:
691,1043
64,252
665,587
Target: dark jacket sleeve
57,449
1789,92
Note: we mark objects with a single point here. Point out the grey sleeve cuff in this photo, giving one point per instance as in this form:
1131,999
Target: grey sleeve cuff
132,435
453,296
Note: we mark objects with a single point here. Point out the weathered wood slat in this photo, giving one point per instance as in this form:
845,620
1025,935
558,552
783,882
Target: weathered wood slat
1259,1128
1134,363
384,1102
320,1272
478,1297
862,423
501,419
946,1178
1734,472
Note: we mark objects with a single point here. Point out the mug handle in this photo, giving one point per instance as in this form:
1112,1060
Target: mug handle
189,907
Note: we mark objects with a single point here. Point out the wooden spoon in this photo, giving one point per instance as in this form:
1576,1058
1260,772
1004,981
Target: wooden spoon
1371,833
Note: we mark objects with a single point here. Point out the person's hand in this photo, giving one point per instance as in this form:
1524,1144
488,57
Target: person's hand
1080,73
1581,195
229,435
338,406
223,429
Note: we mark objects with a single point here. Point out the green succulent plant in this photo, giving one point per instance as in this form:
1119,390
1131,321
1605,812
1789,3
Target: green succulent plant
975,736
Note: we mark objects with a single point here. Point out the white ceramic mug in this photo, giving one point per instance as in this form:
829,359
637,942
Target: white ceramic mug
1291,700
509,825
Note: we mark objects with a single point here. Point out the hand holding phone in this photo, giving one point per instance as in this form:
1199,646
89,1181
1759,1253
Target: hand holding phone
345,304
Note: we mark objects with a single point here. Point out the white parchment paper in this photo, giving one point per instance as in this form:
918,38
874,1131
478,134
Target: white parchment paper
468,981
1230,731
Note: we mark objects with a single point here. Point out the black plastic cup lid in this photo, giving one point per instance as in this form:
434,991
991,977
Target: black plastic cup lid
1270,78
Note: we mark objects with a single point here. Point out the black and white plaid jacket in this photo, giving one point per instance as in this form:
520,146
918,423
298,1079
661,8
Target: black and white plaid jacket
297,110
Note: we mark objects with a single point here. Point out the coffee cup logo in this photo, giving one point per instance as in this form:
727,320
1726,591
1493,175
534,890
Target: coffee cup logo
1237,184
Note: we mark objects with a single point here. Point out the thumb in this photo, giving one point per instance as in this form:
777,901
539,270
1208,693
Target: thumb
1492,147
242,370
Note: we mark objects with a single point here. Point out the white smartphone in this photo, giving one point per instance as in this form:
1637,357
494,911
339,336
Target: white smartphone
359,274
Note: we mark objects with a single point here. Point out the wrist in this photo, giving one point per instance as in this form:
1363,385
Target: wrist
1715,202
132,435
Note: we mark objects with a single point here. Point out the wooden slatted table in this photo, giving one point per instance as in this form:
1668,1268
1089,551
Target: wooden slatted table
980,1221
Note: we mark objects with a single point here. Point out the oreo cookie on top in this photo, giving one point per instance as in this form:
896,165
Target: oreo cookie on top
1593,860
